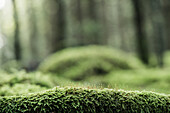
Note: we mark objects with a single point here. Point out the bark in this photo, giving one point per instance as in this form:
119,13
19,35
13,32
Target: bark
121,25
166,9
93,36
17,46
57,25
142,43
105,30
33,30
79,18
33,37
158,29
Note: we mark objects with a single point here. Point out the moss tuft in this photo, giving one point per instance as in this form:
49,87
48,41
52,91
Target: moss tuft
81,62
76,100
22,83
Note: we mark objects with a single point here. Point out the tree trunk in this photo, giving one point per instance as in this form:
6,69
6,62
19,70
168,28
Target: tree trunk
142,44
57,27
158,29
104,20
17,46
33,36
33,29
166,9
79,18
93,36
121,25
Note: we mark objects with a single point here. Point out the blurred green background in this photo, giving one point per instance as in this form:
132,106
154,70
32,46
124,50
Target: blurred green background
122,44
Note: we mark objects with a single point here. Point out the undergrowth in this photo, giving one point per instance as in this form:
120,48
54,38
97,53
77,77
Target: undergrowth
82,62
143,79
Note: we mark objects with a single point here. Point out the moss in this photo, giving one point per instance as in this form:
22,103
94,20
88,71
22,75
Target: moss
11,66
167,59
20,89
76,100
22,83
157,80
22,77
81,62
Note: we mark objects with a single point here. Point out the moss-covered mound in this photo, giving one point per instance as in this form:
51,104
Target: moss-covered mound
20,89
167,59
76,100
21,82
77,63
157,80
22,77
10,66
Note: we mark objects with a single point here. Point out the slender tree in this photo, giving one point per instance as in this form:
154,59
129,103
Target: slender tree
56,24
104,20
33,35
121,24
166,9
142,43
33,28
79,19
17,46
158,29
93,35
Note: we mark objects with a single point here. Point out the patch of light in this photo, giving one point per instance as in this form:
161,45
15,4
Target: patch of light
2,3
1,42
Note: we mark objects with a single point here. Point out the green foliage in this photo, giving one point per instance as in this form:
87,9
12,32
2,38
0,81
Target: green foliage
22,77
167,59
81,62
157,80
20,89
76,100
23,83
11,66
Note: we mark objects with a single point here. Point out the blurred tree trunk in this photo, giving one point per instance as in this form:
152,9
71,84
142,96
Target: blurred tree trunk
142,44
79,18
105,30
34,42
158,29
94,37
92,9
166,9
17,46
87,22
33,28
121,25
57,27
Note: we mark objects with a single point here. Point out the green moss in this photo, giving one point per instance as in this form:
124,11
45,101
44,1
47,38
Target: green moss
157,80
22,77
22,83
11,66
20,89
167,59
76,100
81,62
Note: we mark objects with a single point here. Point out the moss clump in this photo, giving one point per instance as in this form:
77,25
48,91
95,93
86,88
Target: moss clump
20,89
22,83
10,66
76,100
78,63
35,78
157,80
167,59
